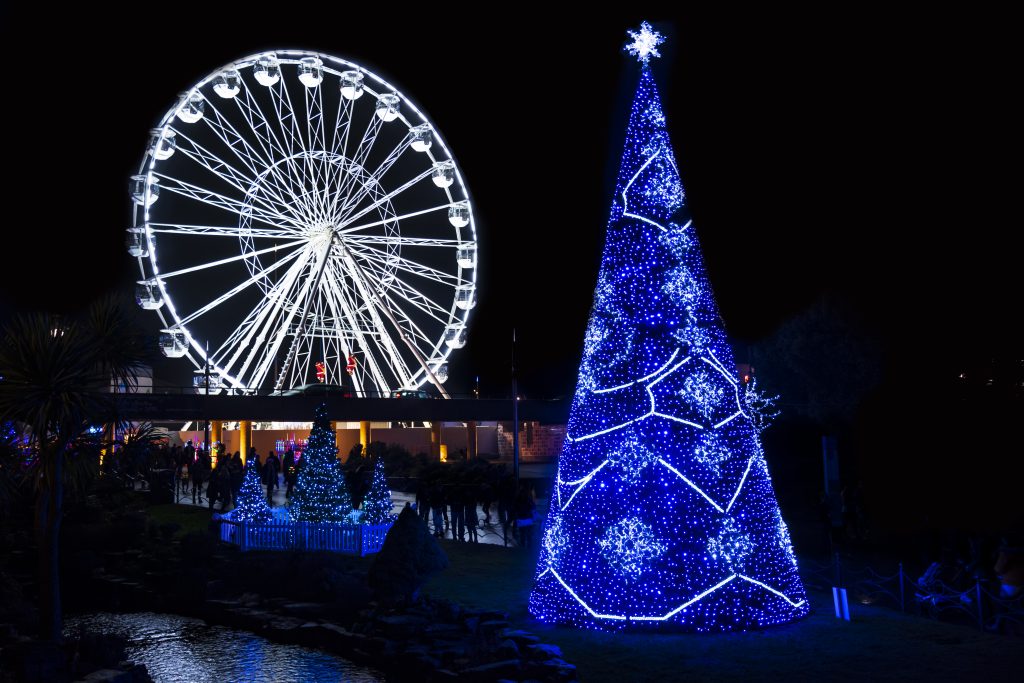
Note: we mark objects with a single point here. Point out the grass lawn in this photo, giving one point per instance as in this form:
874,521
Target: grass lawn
878,644
189,517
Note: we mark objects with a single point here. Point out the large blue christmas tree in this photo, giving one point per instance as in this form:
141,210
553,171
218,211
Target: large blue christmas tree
663,513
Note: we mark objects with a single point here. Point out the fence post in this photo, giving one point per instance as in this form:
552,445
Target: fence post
243,537
902,603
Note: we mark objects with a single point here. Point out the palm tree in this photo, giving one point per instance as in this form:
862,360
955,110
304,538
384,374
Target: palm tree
56,375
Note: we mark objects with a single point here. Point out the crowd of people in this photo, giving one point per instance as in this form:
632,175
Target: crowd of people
195,473
457,509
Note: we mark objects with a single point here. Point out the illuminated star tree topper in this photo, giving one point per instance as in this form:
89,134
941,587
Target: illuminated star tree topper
645,43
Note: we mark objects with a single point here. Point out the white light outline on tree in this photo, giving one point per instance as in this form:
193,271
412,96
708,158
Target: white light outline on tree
656,377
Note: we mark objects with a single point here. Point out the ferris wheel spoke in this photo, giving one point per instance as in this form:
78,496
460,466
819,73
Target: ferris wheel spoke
291,137
221,231
277,323
425,304
220,168
306,172
401,241
317,141
274,148
230,259
373,182
258,322
342,300
342,126
356,166
406,264
386,198
221,201
340,339
413,329
259,275
304,299
398,364
387,221
229,135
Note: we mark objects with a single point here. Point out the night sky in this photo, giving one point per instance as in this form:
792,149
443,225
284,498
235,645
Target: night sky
861,154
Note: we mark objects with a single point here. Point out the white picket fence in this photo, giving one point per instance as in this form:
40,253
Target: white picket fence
283,534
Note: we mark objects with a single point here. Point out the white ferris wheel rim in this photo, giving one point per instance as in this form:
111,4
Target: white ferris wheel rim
373,85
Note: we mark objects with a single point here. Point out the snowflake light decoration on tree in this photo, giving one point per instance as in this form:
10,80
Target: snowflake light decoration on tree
631,457
555,541
677,240
682,286
711,451
731,545
662,187
694,336
782,532
702,392
645,43
629,546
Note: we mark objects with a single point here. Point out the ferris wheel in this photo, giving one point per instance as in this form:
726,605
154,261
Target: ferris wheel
297,219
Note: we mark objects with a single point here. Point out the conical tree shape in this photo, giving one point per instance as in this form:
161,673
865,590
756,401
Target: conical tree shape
321,494
377,504
251,505
663,514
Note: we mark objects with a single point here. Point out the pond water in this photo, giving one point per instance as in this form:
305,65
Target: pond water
175,648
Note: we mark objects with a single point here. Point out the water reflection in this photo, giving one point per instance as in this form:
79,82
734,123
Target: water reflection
179,649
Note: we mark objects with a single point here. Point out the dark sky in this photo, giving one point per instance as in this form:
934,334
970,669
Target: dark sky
860,153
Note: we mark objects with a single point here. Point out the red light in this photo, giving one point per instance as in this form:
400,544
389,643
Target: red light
321,372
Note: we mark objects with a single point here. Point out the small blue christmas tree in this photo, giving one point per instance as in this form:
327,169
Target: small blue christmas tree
251,505
662,513
377,504
321,494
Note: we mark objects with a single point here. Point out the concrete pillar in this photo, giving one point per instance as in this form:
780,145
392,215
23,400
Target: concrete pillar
364,434
471,439
334,428
216,431
244,438
435,441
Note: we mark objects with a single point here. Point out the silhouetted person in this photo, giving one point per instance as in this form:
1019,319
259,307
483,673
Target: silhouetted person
455,502
524,509
469,511
290,472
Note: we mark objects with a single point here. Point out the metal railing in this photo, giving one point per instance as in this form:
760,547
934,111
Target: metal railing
974,599
282,534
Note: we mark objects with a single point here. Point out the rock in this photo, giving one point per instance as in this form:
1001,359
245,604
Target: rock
409,555
487,633
401,625
522,638
507,649
108,676
31,660
508,668
544,651
443,631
